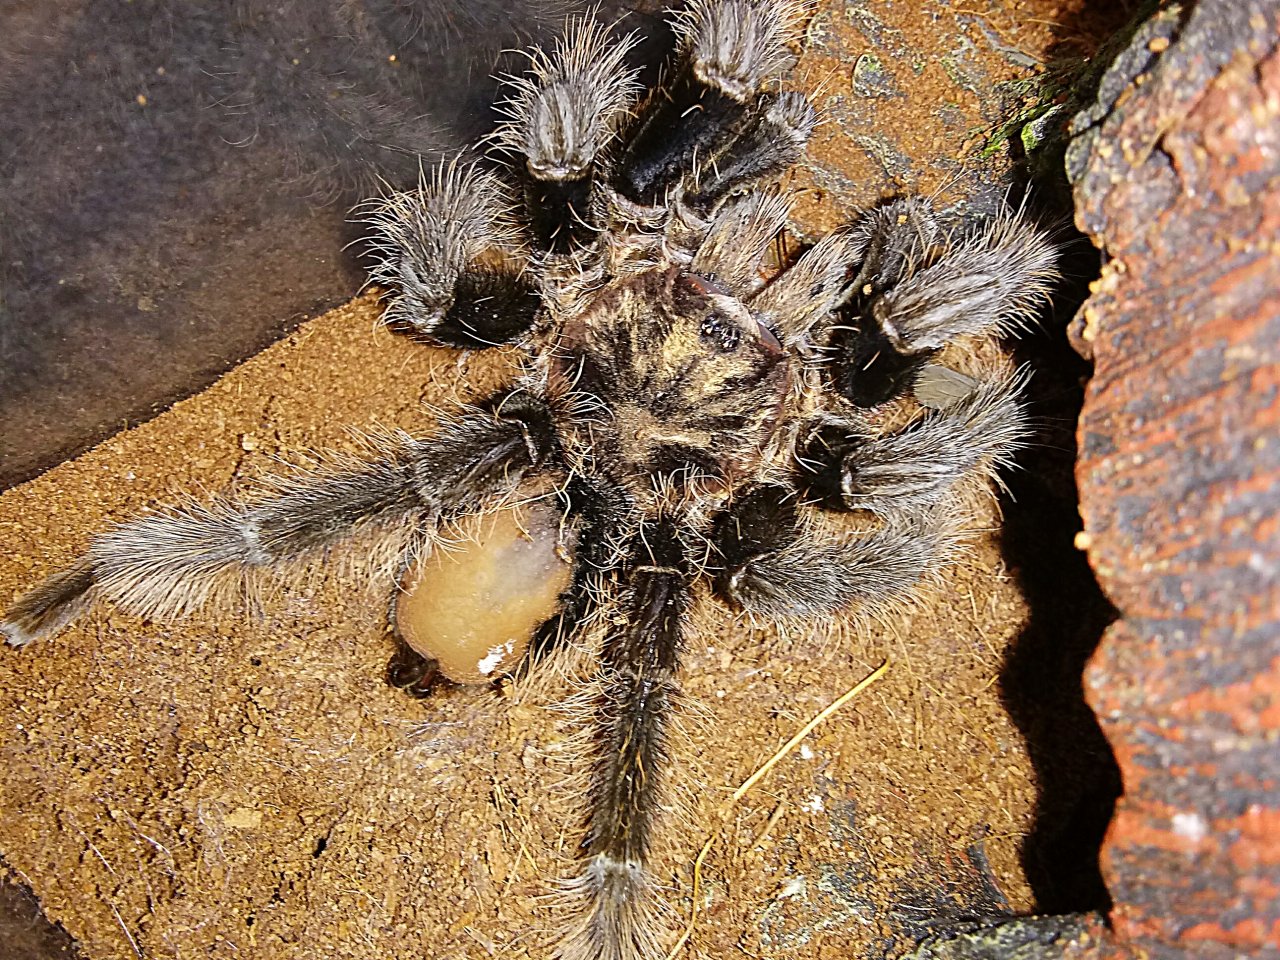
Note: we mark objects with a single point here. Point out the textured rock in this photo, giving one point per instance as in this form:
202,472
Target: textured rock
1177,179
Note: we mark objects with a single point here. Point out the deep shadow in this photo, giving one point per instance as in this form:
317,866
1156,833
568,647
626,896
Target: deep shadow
1041,682
25,934
1041,686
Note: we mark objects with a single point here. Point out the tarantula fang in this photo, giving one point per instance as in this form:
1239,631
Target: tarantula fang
697,430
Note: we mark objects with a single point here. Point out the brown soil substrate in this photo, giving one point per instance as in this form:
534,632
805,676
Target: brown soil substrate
916,102
247,785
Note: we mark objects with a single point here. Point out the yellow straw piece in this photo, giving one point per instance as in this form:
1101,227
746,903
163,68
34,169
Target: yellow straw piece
755,778
804,731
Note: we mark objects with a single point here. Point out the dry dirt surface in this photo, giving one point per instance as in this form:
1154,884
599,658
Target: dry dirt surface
245,785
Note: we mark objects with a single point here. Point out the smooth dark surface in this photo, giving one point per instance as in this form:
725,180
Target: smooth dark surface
24,932
175,180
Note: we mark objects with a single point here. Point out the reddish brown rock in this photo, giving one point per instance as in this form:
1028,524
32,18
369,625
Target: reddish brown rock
1178,181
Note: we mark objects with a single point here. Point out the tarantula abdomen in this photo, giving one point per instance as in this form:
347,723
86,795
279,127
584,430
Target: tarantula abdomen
471,609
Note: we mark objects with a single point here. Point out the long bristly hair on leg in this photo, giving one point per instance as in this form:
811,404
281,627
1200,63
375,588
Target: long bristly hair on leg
736,44
424,239
624,729
228,549
567,109
991,281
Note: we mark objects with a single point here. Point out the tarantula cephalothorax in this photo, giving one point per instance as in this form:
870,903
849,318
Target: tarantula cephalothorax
683,430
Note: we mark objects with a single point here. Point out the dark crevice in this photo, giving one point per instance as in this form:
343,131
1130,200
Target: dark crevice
1042,680
1041,683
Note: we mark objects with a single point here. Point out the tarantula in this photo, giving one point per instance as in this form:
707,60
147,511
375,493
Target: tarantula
685,427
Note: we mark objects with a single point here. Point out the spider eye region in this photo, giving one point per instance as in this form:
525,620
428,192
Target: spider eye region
692,381
720,332
724,324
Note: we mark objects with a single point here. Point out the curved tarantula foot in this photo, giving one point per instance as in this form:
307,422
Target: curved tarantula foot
921,286
410,671
970,427
49,607
560,117
451,250
780,565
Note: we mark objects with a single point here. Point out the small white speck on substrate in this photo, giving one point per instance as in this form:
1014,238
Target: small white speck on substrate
806,751
813,804
720,694
131,475
792,888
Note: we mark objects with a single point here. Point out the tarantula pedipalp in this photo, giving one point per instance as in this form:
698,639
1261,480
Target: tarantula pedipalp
695,426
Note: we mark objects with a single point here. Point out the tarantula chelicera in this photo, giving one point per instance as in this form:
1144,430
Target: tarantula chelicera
684,429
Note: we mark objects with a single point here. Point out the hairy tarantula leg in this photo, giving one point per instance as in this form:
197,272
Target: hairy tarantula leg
714,131
172,563
990,282
911,471
736,46
560,118
802,297
778,567
734,247
894,240
51,606
451,253
634,696
771,140
863,364
918,289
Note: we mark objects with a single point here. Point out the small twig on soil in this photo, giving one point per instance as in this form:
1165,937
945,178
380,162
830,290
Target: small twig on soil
804,731
755,778
769,824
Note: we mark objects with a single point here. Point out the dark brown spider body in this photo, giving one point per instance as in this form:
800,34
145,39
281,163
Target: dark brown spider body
685,382
689,431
